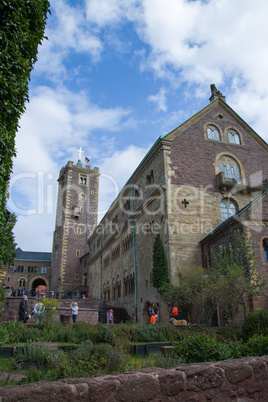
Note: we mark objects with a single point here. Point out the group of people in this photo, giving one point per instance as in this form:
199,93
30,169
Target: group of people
38,311
21,292
77,295
153,313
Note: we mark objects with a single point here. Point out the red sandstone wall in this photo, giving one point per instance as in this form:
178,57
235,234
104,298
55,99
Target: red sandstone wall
231,380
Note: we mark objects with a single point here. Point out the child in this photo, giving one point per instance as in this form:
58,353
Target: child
74,307
111,317
153,319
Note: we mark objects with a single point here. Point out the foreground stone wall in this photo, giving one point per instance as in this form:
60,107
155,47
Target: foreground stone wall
231,380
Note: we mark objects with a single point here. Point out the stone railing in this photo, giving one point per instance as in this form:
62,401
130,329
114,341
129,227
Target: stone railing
230,380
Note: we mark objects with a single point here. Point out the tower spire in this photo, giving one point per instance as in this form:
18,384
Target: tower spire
80,152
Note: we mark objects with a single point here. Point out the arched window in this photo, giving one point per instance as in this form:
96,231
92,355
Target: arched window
82,197
231,172
227,210
233,138
22,282
265,249
213,134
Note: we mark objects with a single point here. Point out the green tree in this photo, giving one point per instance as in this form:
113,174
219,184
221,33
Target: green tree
233,276
160,267
22,26
190,294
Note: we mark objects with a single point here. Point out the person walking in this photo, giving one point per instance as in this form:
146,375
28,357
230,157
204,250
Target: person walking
23,315
74,307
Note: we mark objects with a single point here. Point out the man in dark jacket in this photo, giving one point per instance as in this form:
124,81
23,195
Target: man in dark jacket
23,309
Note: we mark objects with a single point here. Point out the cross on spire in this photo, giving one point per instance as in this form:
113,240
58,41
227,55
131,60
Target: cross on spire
80,152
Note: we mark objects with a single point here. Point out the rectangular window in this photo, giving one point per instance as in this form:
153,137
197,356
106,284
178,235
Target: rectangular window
35,269
43,270
77,253
15,268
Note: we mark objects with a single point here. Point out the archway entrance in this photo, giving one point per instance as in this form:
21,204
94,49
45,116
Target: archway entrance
39,287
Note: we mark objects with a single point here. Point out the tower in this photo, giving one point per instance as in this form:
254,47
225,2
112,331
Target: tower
76,218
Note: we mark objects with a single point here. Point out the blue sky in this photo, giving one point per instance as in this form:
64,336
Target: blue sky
114,75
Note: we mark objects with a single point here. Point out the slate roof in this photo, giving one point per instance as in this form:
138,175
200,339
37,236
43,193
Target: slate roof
32,255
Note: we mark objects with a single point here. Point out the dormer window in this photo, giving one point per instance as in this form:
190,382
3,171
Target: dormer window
213,134
233,138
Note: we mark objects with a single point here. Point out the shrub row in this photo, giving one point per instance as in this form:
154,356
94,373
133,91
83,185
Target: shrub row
255,323
203,348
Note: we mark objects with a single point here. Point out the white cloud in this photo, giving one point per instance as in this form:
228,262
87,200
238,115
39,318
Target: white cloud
69,33
56,124
159,99
220,41
110,12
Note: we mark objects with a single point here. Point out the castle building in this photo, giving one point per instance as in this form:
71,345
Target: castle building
192,179
194,186
76,217
30,270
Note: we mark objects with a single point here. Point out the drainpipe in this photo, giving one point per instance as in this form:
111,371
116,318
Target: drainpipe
101,264
87,211
134,254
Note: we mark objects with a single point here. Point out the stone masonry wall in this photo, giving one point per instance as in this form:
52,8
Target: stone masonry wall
231,380
194,194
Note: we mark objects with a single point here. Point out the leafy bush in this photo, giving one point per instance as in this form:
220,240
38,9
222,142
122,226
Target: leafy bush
256,323
201,348
87,360
169,332
231,333
255,346
10,332
35,353
145,333
105,335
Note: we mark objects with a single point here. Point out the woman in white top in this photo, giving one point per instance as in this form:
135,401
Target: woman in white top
74,307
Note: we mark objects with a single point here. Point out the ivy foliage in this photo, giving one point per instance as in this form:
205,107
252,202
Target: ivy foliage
160,267
22,26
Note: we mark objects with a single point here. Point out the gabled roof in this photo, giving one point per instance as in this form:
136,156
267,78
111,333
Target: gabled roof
32,255
207,109
235,217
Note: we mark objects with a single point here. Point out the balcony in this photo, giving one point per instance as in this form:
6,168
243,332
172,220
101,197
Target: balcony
225,182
